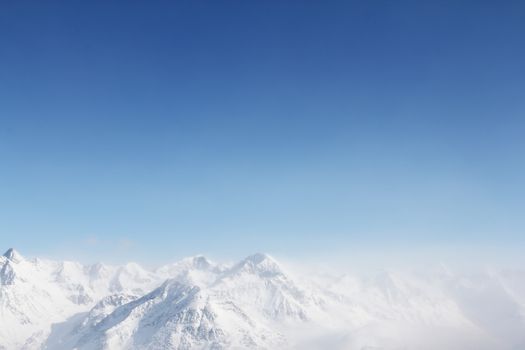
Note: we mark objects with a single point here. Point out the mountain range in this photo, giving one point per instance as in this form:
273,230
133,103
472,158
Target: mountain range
256,303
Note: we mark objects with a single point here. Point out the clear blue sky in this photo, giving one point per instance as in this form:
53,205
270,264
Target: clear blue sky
156,129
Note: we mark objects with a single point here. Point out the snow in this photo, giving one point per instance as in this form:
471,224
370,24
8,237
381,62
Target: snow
253,304
13,255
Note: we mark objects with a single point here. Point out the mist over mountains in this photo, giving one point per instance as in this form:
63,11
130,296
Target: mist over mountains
255,303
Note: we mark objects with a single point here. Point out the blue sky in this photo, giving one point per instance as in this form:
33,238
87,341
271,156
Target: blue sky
152,130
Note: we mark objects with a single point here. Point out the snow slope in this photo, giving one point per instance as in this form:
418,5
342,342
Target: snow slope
36,293
253,304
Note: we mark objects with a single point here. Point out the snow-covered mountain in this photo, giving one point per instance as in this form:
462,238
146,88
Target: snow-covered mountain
36,293
253,304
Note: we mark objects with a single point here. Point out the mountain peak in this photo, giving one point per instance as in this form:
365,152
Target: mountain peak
258,258
13,255
199,261
260,263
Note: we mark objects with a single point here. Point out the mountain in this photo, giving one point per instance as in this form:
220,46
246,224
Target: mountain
204,305
36,293
255,303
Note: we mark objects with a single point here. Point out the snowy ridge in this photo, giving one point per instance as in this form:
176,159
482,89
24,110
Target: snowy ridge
253,304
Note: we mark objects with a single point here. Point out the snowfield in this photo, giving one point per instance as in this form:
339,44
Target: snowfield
254,304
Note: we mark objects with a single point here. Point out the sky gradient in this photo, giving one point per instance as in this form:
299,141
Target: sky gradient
154,130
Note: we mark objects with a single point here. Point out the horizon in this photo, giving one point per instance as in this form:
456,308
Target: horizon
365,262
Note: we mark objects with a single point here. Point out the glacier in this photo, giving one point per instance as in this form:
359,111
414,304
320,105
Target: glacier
255,303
